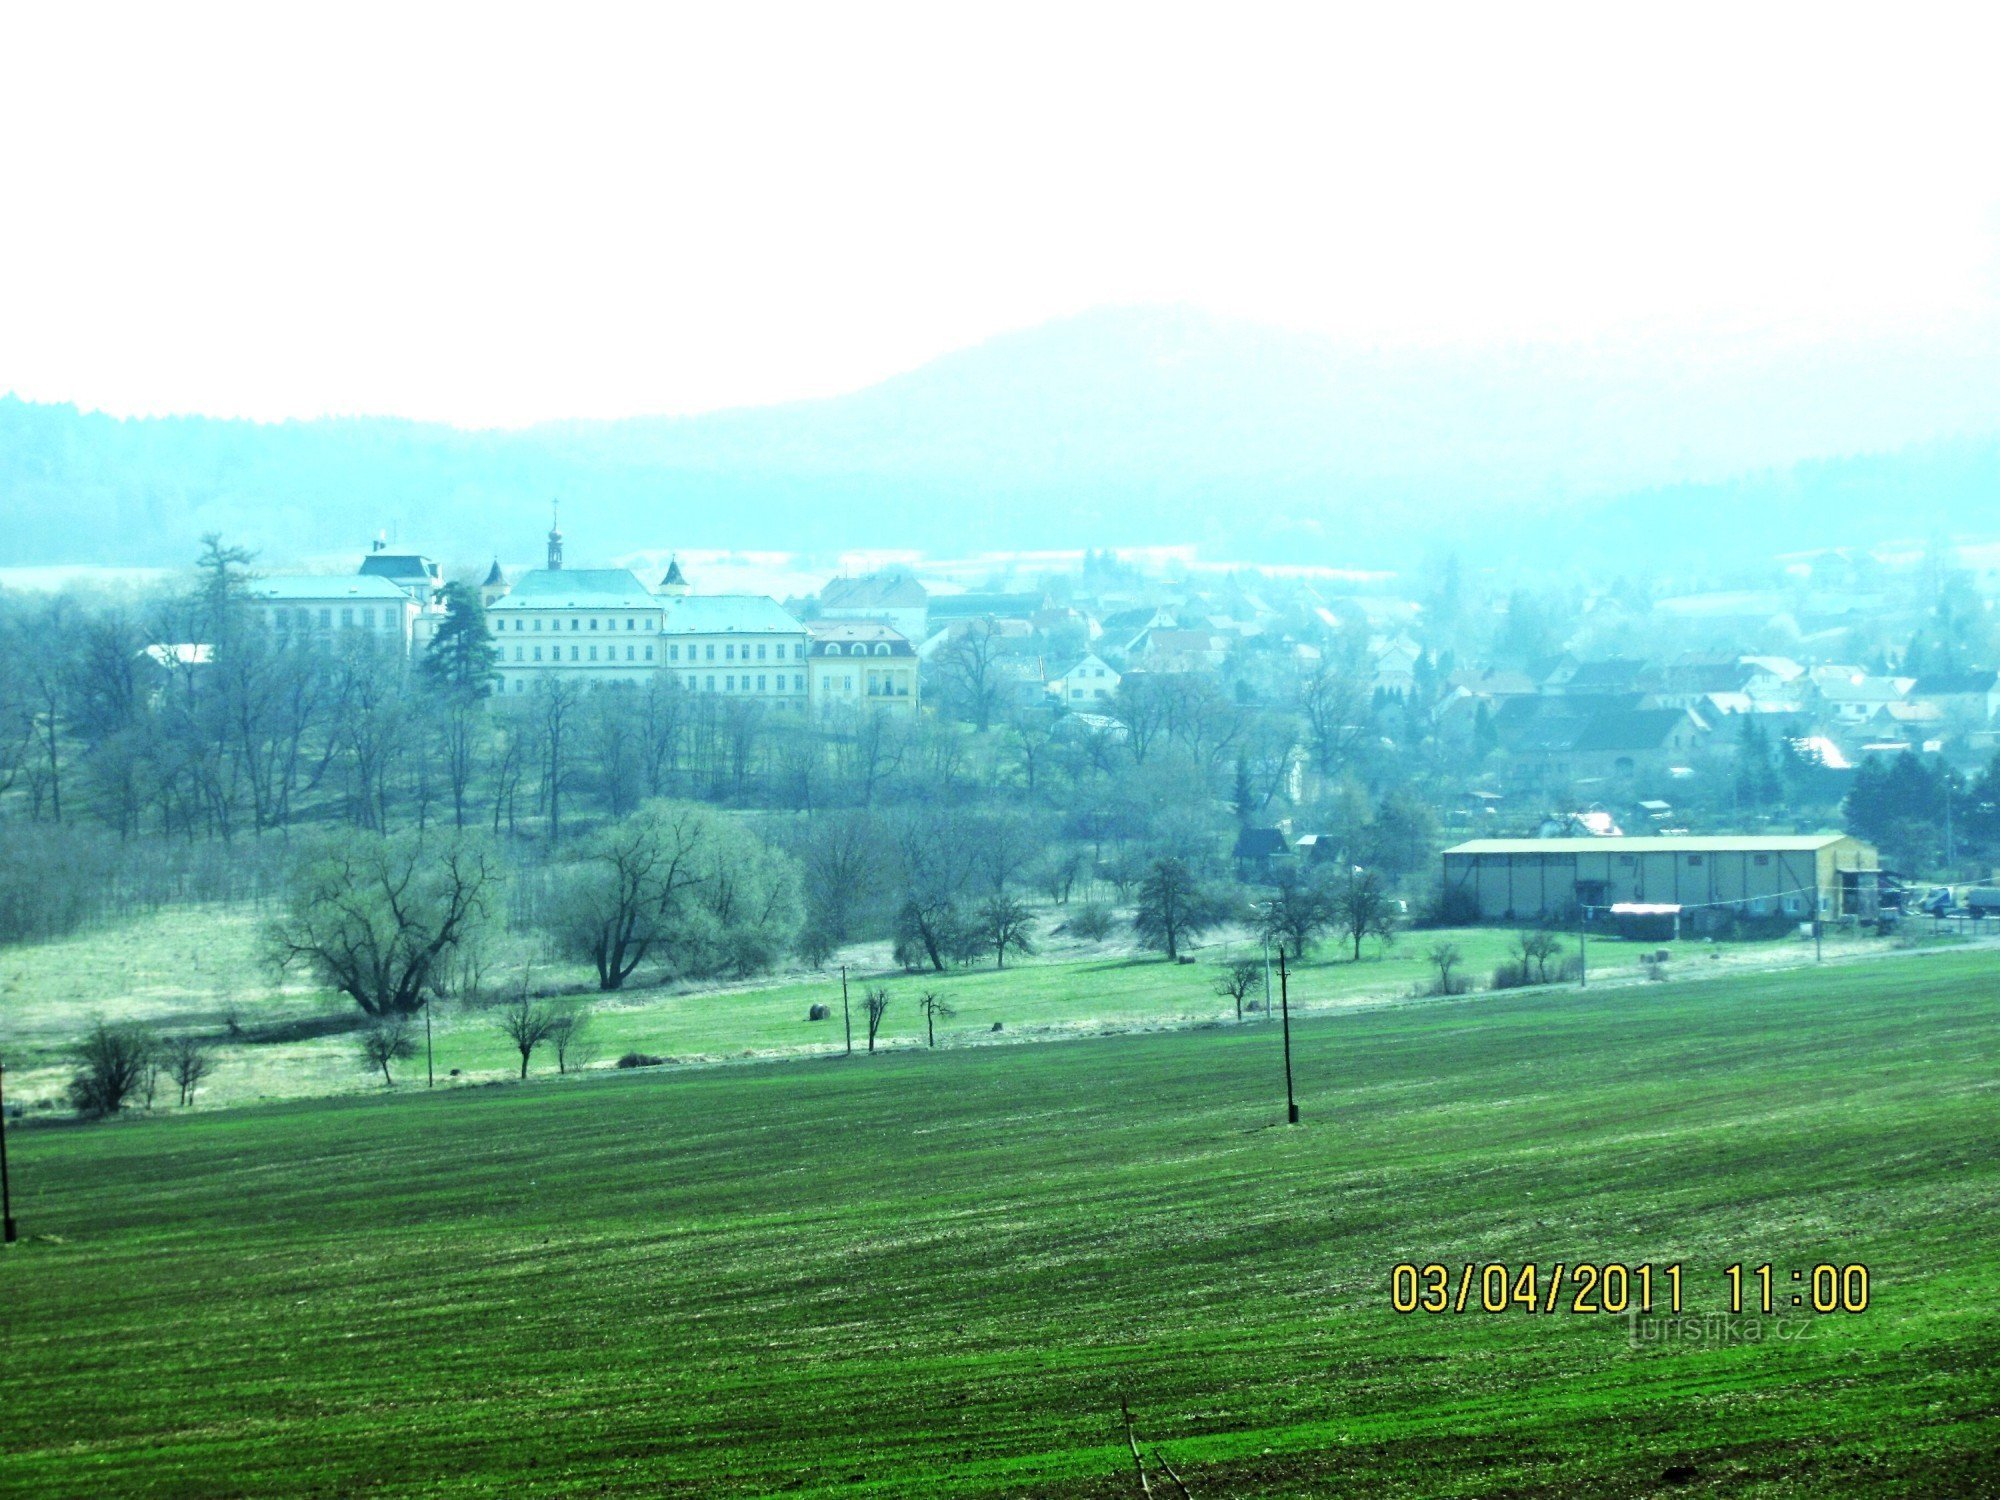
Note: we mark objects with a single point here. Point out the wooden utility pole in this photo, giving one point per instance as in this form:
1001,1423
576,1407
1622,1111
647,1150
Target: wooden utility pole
1582,946
846,1016
430,1070
1285,1006
8,1234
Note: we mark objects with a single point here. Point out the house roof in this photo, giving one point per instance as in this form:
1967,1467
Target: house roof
1260,843
579,588
1083,660
1752,843
398,565
279,588
836,634
1629,729
876,591
729,614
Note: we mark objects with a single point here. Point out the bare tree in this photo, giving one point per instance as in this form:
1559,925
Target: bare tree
874,1005
526,1024
387,1040
1237,979
968,664
1537,946
571,1036
1364,910
187,1062
935,1008
1444,957
1005,925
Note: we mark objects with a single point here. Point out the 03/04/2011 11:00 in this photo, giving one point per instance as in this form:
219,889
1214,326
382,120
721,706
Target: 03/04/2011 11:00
1615,1287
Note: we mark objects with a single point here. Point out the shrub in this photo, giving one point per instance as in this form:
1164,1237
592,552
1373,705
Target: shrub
1090,921
640,1060
1512,974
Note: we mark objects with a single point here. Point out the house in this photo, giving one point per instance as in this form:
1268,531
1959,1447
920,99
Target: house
1971,698
892,596
1852,696
1260,851
857,664
1089,681
329,610
1396,666
1515,880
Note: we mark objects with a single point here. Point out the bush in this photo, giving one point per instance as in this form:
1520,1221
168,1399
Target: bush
113,1064
1091,921
1512,974
640,1060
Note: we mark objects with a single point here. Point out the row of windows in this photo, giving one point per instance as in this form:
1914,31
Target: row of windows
610,653
350,618
576,623
860,648
731,652
734,682
880,685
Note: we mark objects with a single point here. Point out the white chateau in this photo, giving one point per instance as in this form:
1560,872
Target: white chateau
604,628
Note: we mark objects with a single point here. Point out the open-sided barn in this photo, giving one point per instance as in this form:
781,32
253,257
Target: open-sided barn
1517,880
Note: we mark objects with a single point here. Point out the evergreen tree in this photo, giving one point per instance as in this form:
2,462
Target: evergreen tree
461,656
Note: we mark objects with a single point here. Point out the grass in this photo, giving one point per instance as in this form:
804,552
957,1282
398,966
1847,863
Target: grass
936,1273
185,969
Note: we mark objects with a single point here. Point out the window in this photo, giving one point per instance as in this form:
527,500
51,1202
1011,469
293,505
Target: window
711,677
538,653
674,652
572,650
883,650
729,653
760,678
711,651
347,619
799,682
517,653
630,654
573,622
630,623
649,653
593,649
825,683
325,619
519,683
593,624
538,624
760,653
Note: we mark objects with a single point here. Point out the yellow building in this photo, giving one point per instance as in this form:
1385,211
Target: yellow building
862,664
1524,880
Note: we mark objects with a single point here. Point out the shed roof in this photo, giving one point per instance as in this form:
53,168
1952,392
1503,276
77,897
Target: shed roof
1719,843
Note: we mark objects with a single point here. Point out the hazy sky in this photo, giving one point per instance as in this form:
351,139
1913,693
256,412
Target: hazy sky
493,216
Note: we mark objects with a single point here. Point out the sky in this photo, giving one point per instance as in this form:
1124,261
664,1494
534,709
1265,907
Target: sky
498,214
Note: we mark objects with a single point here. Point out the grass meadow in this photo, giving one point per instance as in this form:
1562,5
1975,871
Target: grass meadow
937,1274
193,969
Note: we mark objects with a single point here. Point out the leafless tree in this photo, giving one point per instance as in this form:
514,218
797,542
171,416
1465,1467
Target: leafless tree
874,1006
935,1008
968,666
187,1062
570,1034
526,1023
1005,925
1237,979
387,1040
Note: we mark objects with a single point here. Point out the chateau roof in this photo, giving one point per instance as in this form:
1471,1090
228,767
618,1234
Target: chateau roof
729,614
280,587
579,588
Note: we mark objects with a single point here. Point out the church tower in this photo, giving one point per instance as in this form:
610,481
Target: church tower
675,583
495,588
555,538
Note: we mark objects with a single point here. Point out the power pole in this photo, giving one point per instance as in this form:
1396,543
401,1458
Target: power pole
846,1016
1582,946
430,1071
8,1234
1285,1006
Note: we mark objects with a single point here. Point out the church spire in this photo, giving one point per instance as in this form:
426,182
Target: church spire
555,536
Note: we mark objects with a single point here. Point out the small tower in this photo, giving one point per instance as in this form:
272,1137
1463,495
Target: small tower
495,588
675,583
555,538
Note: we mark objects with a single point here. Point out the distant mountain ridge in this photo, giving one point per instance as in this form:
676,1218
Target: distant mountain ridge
1119,427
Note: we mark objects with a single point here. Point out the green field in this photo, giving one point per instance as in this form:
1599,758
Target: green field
937,1273
186,970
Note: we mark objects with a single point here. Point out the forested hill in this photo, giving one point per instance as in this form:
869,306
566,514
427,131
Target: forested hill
1123,427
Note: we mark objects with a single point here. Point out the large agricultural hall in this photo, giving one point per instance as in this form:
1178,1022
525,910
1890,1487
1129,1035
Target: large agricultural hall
1515,880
